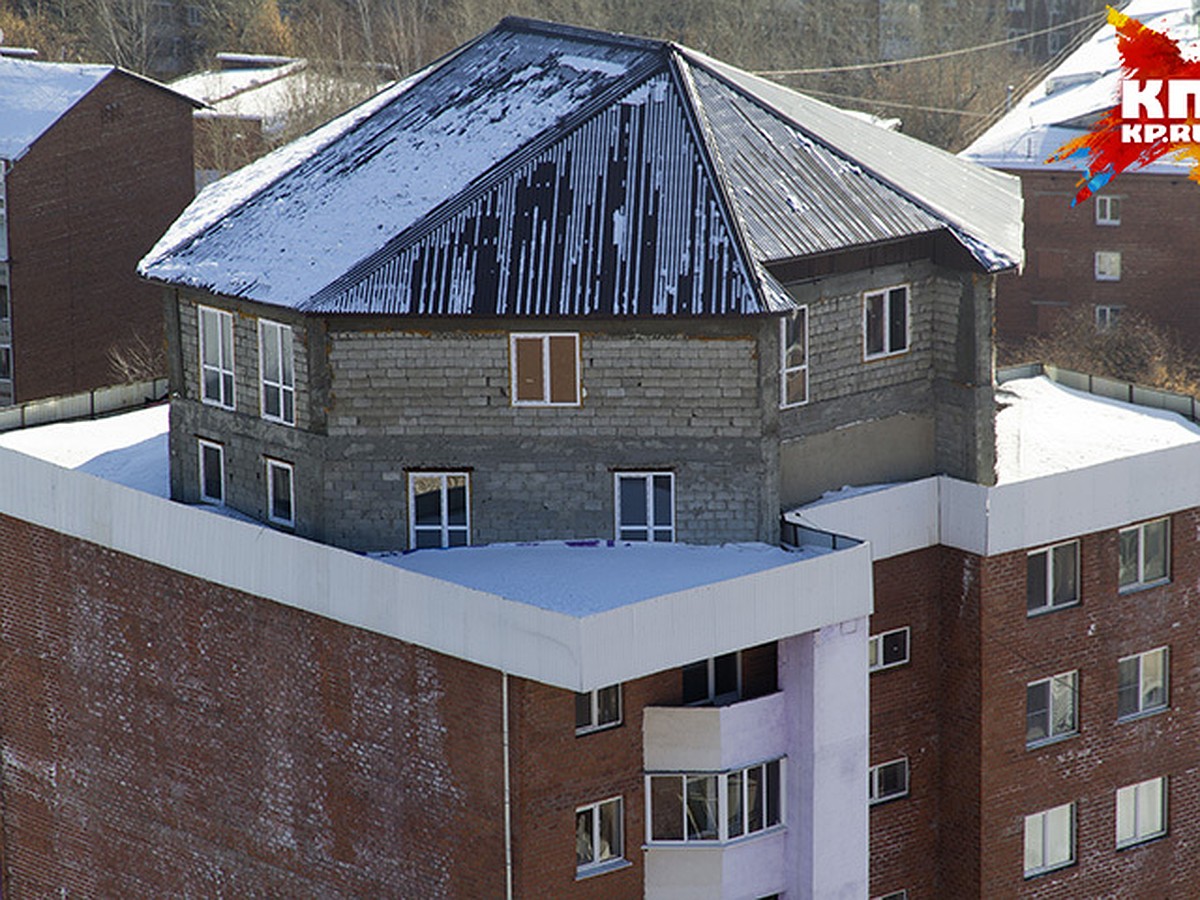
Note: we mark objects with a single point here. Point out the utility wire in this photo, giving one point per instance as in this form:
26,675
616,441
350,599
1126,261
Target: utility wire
877,102
858,67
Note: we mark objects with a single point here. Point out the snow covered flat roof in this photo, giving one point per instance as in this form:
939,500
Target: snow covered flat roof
1086,83
1043,428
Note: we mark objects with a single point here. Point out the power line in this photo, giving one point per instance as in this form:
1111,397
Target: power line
876,102
859,67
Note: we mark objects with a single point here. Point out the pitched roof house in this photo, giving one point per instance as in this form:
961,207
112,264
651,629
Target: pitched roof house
92,167
606,306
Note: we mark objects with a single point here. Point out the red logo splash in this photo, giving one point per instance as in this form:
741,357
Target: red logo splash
1158,111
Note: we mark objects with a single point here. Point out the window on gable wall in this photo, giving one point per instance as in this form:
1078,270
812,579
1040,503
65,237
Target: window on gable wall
1052,577
1145,554
1108,317
1108,210
545,369
888,649
595,710
793,365
885,322
1142,683
439,512
888,781
1141,812
1049,840
645,506
276,364
1108,265
1051,705
216,357
599,836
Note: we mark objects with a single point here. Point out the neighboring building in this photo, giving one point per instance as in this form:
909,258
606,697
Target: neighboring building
1127,248
562,293
1034,719
94,163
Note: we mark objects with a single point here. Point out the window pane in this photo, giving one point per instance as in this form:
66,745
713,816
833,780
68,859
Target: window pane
226,325
1065,582
1037,711
530,379
774,807
1129,557
271,402
662,500
725,672
1058,835
733,804
1034,829
608,701
1063,703
701,807
610,831
289,409
1126,815
428,538
874,337
797,386
212,486
583,710
754,799
873,647
893,779
584,852
1128,688
1035,581
427,501
270,351
895,647
563,360
1154,679
1150,808
289,375
796,344
897,319
210,334
666,807
1155,551
695,682
633,500
456,500
281,486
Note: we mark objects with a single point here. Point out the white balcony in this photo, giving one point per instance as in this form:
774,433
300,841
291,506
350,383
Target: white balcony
713,738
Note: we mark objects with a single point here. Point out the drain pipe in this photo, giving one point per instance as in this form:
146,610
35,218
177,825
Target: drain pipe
508,855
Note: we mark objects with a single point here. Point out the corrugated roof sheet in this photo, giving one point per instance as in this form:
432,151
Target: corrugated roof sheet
545,170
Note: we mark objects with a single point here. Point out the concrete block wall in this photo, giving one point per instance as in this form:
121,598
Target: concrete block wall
87,201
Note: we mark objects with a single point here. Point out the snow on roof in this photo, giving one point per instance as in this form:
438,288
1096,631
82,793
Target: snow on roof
325,224
1063,105
35,95
581,578
1043,428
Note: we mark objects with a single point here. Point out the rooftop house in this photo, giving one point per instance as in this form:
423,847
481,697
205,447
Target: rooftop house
94,163
1111,254
486,401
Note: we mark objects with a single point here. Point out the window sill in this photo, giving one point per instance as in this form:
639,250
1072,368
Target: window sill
1142,714
1142,841
876,357
886,666
1046,610
594,869
888,799
1047,741
1140,586
1037,873
217,404
592,729
796,405
278,421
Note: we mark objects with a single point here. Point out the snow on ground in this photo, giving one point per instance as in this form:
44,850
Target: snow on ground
1043,428
580,578
129,448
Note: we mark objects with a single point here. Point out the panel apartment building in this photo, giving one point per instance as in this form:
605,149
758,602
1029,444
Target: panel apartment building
486,399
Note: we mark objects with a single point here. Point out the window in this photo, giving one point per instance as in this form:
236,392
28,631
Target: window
717,680
1108,210
598,709
1144,554
1141,812
721,806
195,16
1050,708
645,506
888,649
888,781
212,472
1108,317
277,371
793,367
4,314
216,357
599,836
1049,840
280,496
1142,683
6,362
438,509
545,369
1052,578
1108,265
885,322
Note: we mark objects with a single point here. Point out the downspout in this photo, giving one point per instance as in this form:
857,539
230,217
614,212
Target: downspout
508,855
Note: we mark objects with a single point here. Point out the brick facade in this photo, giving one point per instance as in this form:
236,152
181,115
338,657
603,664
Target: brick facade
90,197
1159,270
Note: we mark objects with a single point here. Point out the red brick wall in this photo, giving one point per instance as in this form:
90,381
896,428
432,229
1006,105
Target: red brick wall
1159,265
927,711
1106,754
163,736
87,201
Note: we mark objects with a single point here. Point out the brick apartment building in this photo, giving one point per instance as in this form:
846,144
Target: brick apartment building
94,163
1128,247
601,294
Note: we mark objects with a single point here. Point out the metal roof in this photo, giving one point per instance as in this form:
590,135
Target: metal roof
543,170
